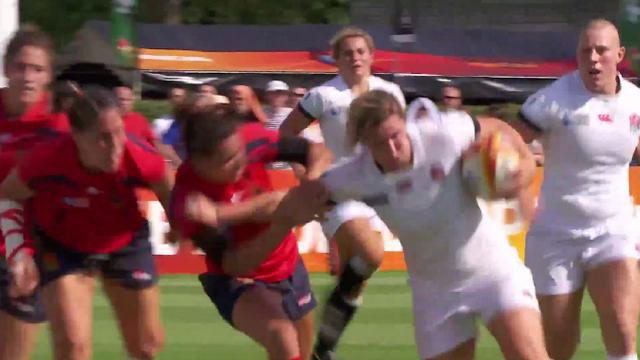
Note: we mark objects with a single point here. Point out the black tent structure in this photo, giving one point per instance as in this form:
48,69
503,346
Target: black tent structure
488,64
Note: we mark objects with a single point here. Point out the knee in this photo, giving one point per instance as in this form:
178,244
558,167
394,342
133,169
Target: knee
282,340
561,345
622,327
73,346
370,251
148,347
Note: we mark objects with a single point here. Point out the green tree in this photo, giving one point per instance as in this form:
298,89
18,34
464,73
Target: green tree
62,18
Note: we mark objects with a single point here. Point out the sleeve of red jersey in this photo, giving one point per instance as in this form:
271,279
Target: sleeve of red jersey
176,212
146,130
60,122
7,162
153,167
261,143
35,163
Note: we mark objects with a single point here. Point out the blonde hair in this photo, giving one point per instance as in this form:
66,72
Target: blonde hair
368,111
349,32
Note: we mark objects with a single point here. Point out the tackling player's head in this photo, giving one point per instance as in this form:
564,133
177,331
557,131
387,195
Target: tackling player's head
352,49
598,55
215,149
28,61
97,129
376,120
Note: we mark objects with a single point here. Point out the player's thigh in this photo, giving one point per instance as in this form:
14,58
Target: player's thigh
358,232
441,331
510,310
138,314
614,288
463,351
454,338
519,333
613,280
130,280
305,330
68,302
556,264
258,312
18,337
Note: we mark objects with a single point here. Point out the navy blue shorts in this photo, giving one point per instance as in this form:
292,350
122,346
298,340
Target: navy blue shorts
28,309
297,297
132,266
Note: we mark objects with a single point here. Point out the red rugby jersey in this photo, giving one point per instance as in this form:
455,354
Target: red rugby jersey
20,133
136,124
84,211
261,145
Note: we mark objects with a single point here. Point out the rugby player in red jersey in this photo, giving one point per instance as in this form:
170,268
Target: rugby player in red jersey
85,222
224,202
134,122
25,118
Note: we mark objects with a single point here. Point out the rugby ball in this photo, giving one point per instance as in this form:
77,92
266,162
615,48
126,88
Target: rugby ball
488,169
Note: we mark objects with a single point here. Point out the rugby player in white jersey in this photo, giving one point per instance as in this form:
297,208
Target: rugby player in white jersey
460,263
354,226
583,233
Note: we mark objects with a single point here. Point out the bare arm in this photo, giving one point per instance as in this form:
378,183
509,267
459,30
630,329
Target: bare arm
162,189
244,259
294,123
168,152
293,206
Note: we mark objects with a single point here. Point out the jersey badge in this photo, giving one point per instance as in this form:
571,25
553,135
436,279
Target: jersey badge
437,172
634,123
404,186
79,202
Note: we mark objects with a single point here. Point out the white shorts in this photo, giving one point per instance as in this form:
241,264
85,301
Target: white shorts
559,265
350,210
446,319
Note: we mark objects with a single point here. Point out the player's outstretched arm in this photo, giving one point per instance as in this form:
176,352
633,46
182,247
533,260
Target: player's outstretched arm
162,188
300,205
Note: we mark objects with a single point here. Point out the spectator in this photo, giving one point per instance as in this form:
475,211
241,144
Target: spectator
177,95
207,89
245,104
297,93
452,113
277,95
451,98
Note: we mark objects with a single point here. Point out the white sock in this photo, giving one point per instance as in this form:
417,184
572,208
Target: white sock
624,357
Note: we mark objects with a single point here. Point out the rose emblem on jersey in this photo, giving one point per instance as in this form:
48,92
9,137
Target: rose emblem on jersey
404,186
437,172
634,123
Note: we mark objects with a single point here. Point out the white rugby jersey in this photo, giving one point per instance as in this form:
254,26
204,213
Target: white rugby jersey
588,141
329,104
445,236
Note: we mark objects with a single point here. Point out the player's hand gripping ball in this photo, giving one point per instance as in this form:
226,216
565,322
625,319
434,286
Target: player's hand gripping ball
490,168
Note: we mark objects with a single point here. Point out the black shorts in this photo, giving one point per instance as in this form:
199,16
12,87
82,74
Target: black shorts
28,308
132,266
297,297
